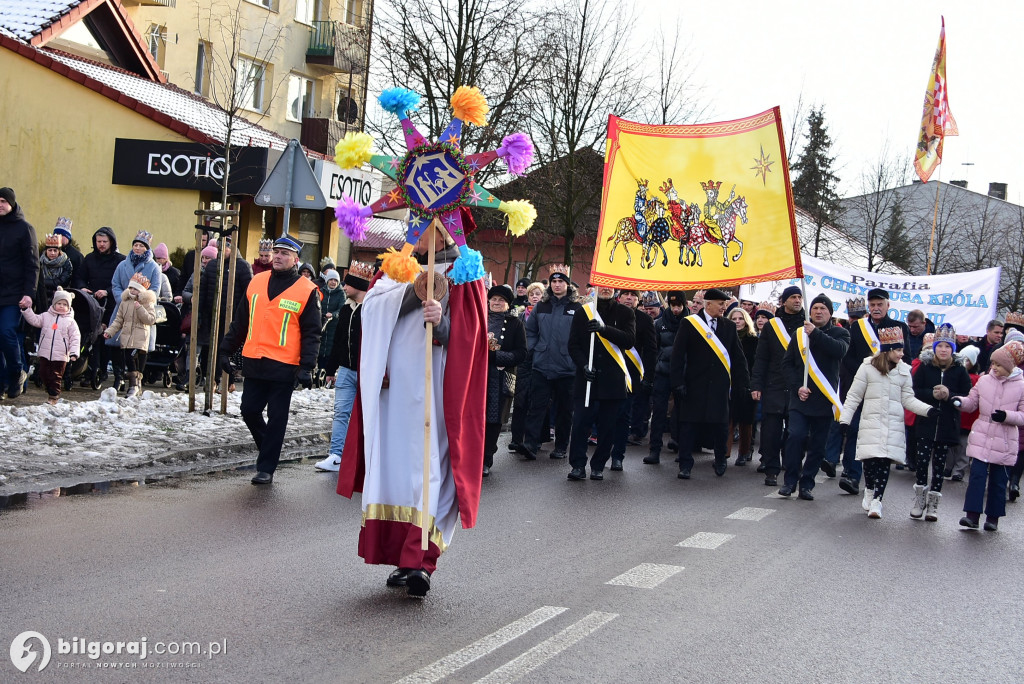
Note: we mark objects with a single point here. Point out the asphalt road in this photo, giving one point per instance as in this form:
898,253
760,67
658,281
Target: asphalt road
811,592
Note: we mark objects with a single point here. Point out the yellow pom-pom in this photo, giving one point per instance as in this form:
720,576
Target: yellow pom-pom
398,266
353,150
468,104
521,216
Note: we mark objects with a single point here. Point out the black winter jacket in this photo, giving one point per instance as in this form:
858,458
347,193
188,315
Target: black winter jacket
208,291
828,346
547,335
19,260
620,330
344,351
766,375
666,328
697,368
647,346
945,427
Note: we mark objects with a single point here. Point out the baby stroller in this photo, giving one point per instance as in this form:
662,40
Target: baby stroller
88,314
168,344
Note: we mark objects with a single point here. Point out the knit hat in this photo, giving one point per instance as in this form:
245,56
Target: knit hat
1015,319
677,297
714,294
359,275
970,353
822,299
1009,356
63,227
62,295
559,271
326,263
1014,334
503,291
210,251
8,194
523,282
944,333
139,282
764,312
788,292
877,293
331,274
635,293
891,338
145,237
160,251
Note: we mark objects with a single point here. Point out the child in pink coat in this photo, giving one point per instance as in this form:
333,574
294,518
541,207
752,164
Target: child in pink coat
992,444
59,341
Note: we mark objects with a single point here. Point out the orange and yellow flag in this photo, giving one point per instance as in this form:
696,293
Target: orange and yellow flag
937,121
688,207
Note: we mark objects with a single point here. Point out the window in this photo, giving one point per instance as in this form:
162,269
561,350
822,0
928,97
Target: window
156,41
250,84
347,110
300,98
203,57
269,4
305,10
354,12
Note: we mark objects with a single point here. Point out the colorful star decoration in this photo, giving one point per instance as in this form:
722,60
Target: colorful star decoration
762,166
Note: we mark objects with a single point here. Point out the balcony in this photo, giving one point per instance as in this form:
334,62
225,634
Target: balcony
321,135
337,47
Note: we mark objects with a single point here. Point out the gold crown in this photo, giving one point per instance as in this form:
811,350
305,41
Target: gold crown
53,240
891,336
141,280
358,269
266,245
944,333
856,307
1015,318
561,269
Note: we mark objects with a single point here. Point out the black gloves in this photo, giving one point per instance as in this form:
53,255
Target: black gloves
999,416
305,378
590,373
843,428
647,384
680,392
595,326
933,412
225,365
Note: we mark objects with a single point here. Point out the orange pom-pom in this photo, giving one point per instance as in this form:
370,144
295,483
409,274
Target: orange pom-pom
399,267
468,104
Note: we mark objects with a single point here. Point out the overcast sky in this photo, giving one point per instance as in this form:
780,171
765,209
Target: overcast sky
868,63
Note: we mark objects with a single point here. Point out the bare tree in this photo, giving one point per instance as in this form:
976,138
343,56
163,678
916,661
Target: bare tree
675,92
1011,257
796,128
867,217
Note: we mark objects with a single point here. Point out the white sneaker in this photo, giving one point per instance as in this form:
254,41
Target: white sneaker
875,511
869,495
331,464
133,391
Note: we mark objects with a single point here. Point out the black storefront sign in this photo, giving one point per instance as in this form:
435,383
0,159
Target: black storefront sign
188,166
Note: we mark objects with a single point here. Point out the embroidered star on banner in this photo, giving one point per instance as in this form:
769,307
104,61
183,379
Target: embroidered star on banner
762,166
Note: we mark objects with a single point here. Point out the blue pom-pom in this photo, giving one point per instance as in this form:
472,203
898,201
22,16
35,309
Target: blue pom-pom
398,101
468,267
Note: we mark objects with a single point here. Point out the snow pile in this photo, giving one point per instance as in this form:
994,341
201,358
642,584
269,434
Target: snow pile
114,433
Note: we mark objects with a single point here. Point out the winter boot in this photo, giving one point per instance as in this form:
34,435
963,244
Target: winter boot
869,495
133,384
919,496
875,509
931,513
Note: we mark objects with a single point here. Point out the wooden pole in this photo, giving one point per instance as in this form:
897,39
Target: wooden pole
228,315
211,361
193,335
807,319
425,527
935,219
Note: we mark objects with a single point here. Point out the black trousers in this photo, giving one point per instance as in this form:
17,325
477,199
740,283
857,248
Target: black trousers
542,391
268,434
773,435
602,411
688,432
521,404
640,408
659,414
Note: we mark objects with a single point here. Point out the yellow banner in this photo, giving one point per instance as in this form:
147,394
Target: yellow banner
936,120
687,207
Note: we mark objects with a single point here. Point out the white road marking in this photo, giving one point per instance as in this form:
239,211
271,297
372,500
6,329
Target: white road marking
754,514
706,540
452,663
548,649
646,575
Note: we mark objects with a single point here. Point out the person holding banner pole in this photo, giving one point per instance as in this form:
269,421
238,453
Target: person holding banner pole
812,368
707,364
631,424
599,341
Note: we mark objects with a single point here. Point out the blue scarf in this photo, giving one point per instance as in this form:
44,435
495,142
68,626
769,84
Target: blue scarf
137,259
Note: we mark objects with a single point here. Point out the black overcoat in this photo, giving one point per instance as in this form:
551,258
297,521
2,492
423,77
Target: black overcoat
620,330
696,367
767,376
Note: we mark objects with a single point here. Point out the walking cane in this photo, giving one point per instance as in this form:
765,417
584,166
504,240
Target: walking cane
424,527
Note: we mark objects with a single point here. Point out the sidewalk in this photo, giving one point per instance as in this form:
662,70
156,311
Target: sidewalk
91,436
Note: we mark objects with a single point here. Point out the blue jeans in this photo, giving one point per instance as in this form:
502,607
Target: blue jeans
852,468
995,476
812,430
10,340
344,397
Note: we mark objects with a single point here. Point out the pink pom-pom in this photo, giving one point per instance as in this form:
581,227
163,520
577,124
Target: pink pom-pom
352,218
517,151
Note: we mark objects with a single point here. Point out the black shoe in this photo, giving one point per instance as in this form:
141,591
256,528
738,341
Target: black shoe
771,480
17,385
991,524
417,583
398,577
829,468
616,464
591,441
652,459
262,478
596,474
684,474
957,478
487,471
527,452
786,490
720,467
577,474
741,460
514,447
1014,491
806,495
848,486
968,522
558,453
760,468
634,440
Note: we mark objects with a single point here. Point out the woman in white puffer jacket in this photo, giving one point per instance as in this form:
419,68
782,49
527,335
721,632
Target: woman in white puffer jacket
884,386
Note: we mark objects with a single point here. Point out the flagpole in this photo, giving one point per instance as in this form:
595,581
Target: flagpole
807,319
935,219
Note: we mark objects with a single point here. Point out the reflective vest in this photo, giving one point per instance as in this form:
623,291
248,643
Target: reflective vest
274,331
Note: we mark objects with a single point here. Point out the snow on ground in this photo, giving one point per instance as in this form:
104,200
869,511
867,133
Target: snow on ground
112,433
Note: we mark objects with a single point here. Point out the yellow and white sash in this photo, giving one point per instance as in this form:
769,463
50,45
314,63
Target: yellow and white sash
819,378
634,357
590,308
870,336
781,332
712,339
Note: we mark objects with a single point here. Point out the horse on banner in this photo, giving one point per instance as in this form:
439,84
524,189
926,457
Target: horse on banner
701,235
632,228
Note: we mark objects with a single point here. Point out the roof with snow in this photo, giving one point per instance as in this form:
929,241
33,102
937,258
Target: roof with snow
24,19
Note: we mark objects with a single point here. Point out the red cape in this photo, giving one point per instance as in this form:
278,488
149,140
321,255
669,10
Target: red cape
465,400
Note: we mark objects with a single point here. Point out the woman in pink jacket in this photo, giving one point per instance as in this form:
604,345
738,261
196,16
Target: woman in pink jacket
60,341
992,444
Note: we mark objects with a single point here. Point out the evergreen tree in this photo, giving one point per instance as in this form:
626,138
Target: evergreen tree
896,248
814,189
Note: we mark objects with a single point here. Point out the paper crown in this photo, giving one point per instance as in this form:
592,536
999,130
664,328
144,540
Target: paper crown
856,307
63,227
927,342
145,237
266,244
890,338
52,240
1015,318
362,270
139,280
944,333
559,269
1016,351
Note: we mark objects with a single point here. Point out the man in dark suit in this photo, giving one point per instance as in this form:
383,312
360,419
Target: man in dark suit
707,364
613,330
631,424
